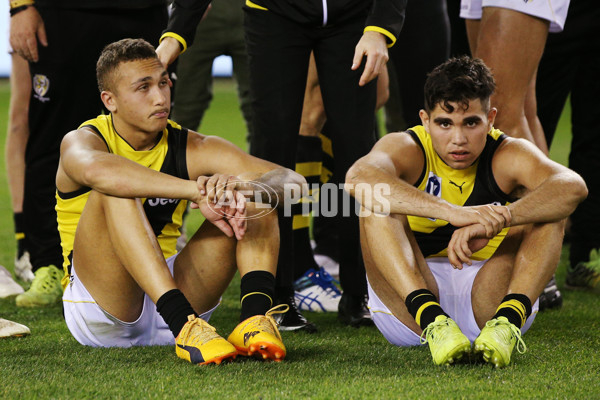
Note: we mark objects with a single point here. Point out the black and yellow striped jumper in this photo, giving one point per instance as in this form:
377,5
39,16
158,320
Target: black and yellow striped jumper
165,215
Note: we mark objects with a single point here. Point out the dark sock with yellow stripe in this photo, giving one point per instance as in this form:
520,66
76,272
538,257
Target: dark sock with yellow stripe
515,308
308,164
19,233
256,293
424,307
174,308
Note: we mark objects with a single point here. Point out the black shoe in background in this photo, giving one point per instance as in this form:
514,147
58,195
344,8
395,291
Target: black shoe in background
353,311
551,296
292,320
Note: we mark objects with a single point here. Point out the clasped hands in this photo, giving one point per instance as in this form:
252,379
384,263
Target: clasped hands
477,225
220,200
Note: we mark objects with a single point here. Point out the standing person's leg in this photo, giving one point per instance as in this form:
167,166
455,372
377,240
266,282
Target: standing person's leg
193,93
278,55
315,288
427,22
584,268
511,44
236,48
554,80
16,142
459,43
350,111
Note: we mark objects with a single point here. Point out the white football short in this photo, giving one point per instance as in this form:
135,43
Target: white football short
90,325
554,11
455,298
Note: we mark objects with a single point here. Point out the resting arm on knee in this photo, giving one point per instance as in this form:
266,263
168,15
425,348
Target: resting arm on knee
210,155
547,191
396,162
86,162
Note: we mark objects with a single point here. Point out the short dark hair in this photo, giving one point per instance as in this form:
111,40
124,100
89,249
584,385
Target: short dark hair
458,80
119,52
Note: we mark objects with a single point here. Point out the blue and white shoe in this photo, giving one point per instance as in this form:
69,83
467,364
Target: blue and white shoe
316,291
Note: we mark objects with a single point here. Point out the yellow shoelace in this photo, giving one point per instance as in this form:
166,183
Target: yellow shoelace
199,332
268,324
513,331
426,332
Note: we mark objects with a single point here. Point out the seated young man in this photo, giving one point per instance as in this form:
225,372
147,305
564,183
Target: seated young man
470,217
123,183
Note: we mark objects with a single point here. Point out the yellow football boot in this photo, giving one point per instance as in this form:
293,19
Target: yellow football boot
259,336
199,343
446,342
45,289
497,340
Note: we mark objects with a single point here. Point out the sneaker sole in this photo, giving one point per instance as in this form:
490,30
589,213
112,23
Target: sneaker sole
487,354
308,328
457,354
35,305
263,351
220,359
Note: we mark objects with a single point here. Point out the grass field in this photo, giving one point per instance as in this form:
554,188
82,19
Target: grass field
562,360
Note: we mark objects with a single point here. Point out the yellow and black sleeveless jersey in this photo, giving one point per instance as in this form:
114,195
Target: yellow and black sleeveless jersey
472,186
164,215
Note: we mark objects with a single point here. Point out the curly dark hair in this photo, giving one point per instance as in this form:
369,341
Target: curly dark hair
458,80
119,52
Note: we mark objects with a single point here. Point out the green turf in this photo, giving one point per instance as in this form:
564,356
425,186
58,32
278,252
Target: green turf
338,362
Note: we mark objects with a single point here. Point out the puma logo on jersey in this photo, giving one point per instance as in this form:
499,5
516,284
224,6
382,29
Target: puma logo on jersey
459,187
162,202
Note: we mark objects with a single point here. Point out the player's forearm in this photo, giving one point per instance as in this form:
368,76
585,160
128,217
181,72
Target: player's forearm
116,176
379,191
553,200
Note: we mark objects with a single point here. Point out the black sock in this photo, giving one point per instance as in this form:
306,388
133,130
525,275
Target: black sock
256,293
19,233
515,308
424,307
174,308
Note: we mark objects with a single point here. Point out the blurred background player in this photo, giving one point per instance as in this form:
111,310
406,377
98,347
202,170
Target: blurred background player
16,142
